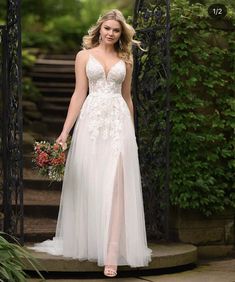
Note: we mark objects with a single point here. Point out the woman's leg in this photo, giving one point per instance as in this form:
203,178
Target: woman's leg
117,218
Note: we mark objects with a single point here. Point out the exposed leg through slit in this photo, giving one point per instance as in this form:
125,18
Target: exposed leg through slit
117,220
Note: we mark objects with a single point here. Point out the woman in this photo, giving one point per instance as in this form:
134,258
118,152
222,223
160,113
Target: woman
101,215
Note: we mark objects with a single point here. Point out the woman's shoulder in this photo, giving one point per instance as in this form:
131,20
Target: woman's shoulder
86,52
82,57
82,54
128,60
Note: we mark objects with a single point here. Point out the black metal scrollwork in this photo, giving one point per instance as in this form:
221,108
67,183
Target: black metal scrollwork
2,79
152,103
11,187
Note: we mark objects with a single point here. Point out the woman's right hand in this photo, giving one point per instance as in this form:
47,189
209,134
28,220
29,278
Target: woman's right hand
62,140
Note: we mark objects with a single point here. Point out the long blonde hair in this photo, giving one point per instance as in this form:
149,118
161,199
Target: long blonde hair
124,50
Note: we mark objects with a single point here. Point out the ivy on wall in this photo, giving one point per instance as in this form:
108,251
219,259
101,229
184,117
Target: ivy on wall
202,109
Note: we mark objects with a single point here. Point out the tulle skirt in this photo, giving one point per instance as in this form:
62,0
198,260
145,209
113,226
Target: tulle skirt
101,215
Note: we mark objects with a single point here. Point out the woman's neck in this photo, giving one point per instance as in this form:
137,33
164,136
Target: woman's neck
106,48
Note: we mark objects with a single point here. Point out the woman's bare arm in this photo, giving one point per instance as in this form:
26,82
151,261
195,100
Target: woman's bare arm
126,89
78,97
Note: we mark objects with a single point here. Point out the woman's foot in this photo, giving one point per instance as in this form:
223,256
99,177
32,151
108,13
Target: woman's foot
110,270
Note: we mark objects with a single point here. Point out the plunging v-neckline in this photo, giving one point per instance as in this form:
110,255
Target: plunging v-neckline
105,74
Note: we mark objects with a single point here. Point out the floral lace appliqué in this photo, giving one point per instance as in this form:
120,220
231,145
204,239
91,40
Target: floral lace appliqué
105,107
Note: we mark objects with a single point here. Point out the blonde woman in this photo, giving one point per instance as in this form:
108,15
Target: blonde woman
101,215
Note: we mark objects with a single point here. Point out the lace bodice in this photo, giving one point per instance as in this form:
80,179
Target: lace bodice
105,107
100,82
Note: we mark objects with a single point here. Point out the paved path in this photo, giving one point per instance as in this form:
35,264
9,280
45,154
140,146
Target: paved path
207,271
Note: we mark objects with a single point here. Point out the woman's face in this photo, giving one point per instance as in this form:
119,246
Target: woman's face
110,31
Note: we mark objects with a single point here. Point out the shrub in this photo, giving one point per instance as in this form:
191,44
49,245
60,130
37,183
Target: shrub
11,265
29,90
203,109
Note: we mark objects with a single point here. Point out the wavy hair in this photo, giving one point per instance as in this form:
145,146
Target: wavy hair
124,50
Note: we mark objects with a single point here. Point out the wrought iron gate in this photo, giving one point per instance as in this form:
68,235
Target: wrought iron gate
151,99
11,188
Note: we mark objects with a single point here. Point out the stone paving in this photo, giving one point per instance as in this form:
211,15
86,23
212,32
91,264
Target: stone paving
222,270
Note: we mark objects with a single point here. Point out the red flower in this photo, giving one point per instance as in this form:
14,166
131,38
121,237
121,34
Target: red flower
42,159
56,146
59,160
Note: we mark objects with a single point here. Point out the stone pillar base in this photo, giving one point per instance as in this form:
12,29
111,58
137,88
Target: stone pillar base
214,236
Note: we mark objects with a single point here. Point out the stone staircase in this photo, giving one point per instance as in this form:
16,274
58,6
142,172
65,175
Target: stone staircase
54,77
41,205
41,200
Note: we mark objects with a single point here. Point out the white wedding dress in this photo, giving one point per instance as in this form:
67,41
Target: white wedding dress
101,216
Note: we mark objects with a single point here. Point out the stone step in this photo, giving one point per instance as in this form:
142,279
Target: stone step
41,183
60,101
52,69
59,91
41,203
51,107
59,56
27,160
54,110
37,127
37,75
42,198
55,125
27,147
28,141
39,229
52,84
41,211
28,151
53,62
47,91
166,255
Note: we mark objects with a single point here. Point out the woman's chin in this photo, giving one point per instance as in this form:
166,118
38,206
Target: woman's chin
109,42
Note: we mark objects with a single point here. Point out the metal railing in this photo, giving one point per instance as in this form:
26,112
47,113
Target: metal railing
151,95
11,176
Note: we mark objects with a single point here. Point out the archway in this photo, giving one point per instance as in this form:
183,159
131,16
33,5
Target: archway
151,98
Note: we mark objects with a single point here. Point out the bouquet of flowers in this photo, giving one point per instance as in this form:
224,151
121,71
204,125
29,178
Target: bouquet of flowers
49,158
